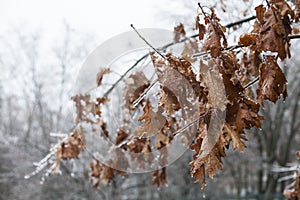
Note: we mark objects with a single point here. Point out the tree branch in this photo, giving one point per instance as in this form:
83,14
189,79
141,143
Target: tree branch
203,53
196,35
147,42
183,40
123,75
240,21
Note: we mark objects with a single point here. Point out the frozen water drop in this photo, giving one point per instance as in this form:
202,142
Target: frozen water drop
26,177
203,195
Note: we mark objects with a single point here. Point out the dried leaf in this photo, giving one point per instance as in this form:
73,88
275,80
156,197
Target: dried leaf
84,106
103,128
95,172
198,175
213,42
179,32
251,63
73,146
212,162
235,136
121,137
154,121
284,8
272,82
216,96
136,84
260,12
140,151
107,174
274,28
215,35
100,75
295,31
247,40
161,140
100,173
243,114
189,49
159,178
201,28
168,100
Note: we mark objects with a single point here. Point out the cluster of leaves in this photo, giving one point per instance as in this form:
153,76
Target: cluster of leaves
270,34
222,82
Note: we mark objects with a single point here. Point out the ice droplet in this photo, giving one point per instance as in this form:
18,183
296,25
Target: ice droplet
203,195
26,177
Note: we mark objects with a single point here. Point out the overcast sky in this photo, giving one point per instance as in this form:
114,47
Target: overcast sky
102,18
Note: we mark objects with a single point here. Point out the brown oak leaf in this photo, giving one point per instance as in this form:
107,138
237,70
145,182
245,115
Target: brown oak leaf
168,100
153,121
273,28
213,41
179,32
136,84
247,40
272,82
235,136
101,74
121,136
74,145
159,177
201,28
189,49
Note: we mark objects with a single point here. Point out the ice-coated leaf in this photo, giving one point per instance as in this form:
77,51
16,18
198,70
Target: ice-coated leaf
272,82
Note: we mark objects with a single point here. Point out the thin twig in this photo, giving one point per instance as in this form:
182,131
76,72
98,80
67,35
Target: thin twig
192,122
196,35
183,40
147,42
123,75
240,21
203,53
294,36
168,45
202,10
251,83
